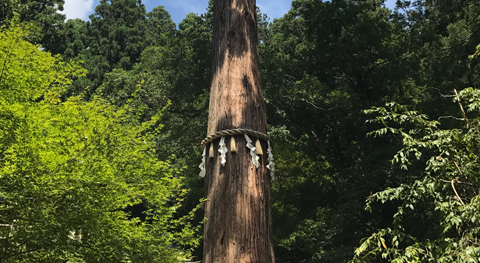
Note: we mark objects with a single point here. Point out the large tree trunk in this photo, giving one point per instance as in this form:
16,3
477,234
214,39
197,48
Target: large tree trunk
238,226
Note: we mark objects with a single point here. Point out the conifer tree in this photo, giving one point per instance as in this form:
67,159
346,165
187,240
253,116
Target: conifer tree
43,14
238,226
118,30
159,23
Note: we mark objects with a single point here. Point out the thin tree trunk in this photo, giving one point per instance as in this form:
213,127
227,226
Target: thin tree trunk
238,226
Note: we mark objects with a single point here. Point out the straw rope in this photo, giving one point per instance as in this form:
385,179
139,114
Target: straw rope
230,132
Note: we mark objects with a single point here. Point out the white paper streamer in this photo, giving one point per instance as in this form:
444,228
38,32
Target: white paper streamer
271,163
253,151
202,165
223,151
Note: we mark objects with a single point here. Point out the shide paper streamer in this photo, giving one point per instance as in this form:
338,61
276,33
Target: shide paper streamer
254,151
202,165
223,151
271,163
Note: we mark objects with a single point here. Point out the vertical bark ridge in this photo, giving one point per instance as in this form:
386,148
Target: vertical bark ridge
238,226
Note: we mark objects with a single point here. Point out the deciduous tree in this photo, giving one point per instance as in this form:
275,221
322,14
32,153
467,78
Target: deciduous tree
70,169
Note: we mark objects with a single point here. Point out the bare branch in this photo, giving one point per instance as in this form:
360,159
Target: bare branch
311,103
461,107
320,108
455,190
443,95
458,168
451,117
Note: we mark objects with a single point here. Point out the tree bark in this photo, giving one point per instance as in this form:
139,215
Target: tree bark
238,226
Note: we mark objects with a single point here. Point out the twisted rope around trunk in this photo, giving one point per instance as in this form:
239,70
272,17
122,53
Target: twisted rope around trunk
230,132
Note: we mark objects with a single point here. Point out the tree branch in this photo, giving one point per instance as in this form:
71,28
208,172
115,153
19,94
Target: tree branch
451,117
461,107
455,190
452,182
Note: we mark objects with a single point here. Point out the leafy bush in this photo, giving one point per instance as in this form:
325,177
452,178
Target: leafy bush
437,215
70,170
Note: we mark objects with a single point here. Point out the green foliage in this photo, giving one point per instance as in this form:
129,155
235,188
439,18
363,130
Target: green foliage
176,71
159,25
75,38
323,64
24,78
70,170
114,38
444,197
43,13
119,32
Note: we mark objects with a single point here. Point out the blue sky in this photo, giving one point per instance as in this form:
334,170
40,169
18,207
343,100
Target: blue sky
180,8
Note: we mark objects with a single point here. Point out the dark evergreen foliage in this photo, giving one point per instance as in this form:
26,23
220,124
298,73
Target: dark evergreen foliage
43,14
323,64
159,26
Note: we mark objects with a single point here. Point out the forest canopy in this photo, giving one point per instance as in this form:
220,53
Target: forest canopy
374,115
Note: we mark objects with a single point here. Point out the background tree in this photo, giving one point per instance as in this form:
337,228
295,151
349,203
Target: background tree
44,14
70,169
117,35
176,73
384,57
119,32
322,66
159,25
435,220
75,39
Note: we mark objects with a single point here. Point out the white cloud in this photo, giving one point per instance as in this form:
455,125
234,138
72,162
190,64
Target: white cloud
77,8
